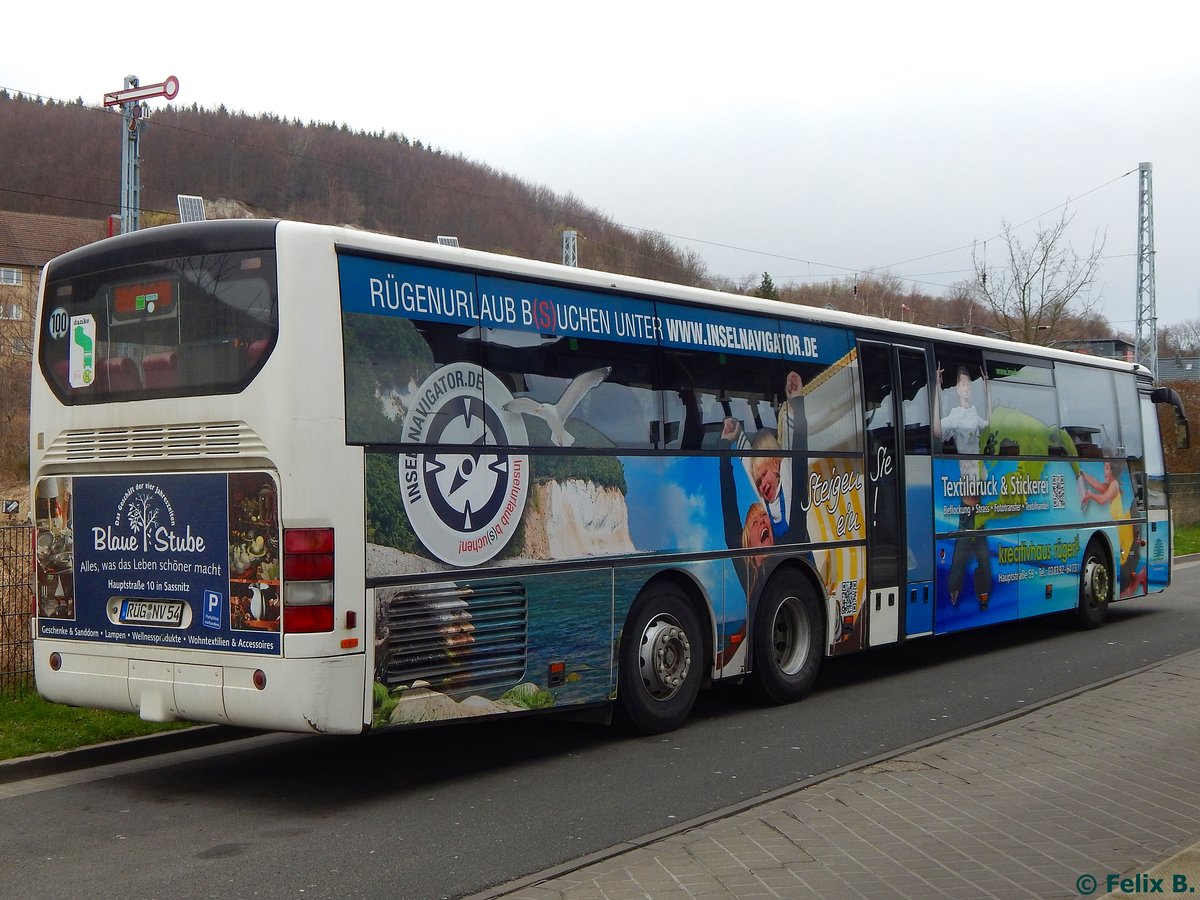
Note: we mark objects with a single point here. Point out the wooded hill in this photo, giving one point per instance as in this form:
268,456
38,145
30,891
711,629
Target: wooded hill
64,158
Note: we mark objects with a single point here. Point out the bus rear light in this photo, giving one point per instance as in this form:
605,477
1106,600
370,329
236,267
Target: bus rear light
55,661
309,567
260,679
307,580
307,619
308,593
308,540
308,554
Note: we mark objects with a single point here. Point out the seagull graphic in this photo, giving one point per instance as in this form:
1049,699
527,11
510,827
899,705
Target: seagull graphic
556,414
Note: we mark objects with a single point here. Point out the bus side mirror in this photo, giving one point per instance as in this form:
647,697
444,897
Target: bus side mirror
1183,438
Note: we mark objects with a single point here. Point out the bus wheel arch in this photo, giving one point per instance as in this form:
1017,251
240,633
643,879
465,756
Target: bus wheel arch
664,654
788,635
1095,583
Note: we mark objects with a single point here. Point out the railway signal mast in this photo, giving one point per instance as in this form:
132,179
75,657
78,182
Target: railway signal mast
1147,315
133,109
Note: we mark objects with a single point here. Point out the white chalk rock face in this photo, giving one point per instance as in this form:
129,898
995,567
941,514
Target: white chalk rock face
577,518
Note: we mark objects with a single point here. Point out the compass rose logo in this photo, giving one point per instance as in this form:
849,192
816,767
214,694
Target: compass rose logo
464,503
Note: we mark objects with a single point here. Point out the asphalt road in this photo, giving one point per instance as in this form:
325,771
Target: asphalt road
446,812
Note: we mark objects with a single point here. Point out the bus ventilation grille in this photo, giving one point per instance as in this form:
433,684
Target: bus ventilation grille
155,442
460,640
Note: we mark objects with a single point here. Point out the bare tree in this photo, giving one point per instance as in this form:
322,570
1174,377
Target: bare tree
1040,284
1180,339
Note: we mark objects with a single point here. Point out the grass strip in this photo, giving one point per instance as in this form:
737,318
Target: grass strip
29,725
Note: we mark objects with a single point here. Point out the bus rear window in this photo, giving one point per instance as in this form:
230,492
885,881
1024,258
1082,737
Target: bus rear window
169,328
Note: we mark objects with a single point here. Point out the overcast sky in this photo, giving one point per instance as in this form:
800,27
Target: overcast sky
795,138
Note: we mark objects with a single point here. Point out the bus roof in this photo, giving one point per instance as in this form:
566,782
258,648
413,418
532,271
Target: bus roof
210,236
610,282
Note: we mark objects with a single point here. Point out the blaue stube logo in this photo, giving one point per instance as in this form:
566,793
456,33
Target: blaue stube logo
144,523
464,505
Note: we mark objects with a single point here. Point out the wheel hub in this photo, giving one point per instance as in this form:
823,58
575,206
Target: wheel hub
1096,585
665,657
790,636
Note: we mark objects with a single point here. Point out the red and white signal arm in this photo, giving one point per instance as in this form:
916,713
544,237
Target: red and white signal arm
168,89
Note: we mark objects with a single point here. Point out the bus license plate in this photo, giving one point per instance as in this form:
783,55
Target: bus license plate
152,612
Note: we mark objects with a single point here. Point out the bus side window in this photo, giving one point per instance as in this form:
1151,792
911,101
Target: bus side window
704,389
914,394
961,408
1025,416
1087,409
579,393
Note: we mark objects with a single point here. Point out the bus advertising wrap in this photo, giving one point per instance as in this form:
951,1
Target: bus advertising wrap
1031,567
186,561
495,413
422,293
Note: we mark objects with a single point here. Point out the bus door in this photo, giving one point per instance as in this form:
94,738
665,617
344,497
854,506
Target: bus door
918,490
899,526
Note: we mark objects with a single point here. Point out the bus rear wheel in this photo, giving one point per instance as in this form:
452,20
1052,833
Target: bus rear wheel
787,641
661,659
1095,588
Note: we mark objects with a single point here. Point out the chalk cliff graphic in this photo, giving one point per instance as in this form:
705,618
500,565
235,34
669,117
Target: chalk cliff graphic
576,518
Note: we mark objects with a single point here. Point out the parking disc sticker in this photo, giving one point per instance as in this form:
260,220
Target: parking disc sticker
83,351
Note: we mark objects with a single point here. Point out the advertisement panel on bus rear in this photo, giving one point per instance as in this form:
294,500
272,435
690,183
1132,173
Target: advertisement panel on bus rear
186,561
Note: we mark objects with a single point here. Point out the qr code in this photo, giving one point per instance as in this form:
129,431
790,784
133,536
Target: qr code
1058,491
848,598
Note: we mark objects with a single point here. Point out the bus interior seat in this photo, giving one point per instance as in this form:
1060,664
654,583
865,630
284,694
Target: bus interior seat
1009,448
255,351
159,370
1088,450
118,373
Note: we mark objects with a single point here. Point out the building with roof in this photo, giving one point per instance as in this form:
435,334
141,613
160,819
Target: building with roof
1178,368
27,242
1109,347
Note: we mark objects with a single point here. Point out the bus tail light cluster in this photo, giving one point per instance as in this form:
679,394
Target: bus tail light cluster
307,580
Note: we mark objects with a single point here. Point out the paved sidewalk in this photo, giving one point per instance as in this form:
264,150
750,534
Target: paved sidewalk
1062,801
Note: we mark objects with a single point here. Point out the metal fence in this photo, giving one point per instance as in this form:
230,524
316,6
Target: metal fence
16,607
1185,498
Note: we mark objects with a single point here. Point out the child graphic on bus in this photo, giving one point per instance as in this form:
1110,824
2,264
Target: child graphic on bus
772,476
779,514
1107,492
963,425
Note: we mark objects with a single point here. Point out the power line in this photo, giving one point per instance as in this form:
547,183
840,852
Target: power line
584,217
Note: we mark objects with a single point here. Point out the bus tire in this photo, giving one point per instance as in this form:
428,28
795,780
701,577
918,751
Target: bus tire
661,662
787,641
1095,588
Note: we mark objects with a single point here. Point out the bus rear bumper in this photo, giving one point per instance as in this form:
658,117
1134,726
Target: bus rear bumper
322,695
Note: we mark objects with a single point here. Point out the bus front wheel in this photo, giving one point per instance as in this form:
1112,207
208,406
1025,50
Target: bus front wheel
1095,588
788,640
661,662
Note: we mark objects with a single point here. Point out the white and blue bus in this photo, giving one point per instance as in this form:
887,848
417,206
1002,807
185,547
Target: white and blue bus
309,478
